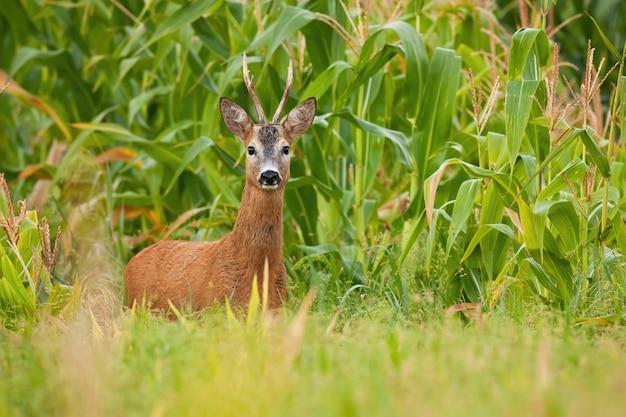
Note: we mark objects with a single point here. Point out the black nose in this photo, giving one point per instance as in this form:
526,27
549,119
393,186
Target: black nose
269,178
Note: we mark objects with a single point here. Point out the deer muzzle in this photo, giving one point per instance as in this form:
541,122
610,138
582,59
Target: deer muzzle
269,180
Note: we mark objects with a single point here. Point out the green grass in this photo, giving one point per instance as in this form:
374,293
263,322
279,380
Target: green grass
144,365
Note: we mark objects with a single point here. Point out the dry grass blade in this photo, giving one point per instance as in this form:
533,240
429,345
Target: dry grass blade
15,90
333,321
34,171
431,187
119,153
265,287
295,333
514,217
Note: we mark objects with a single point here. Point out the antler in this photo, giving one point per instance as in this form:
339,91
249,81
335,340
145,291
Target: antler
283,99
252,91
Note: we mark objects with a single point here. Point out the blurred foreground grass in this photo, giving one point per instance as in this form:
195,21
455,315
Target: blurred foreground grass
145,365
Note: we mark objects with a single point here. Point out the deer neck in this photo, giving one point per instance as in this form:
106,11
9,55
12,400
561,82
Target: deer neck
258,231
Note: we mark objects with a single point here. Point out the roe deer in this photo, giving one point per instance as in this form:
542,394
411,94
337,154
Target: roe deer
203,273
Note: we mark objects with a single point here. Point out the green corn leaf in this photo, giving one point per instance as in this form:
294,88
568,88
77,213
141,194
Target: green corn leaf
289,22
414,55
431,239
207,35
560,271
413,234
533,225
371,67
597,156
518,104
170,132
496,153
15,288
298,182
398,138
318,87
142,100
620,233
570,175
133,199
542,276
530,51
158,151
492,210
533,218
435,119
126,65
564,219
25,55
198,146
538,135
503,181
544,121
609,45
462,210
315,150
482,232
301,202
185,15
214,181
567,138
499,180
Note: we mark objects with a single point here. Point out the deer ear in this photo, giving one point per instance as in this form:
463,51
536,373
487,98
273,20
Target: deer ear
300,118
235,118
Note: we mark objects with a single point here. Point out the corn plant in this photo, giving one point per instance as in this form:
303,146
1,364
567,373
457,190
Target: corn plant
27,265
442,130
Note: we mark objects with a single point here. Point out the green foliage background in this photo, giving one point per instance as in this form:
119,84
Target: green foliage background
398,188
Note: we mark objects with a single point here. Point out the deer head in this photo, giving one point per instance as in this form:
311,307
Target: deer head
268,154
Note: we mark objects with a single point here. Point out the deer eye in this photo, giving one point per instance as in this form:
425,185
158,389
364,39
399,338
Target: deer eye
286,150
251,150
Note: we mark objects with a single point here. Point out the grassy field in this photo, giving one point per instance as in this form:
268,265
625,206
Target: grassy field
144,365
457,209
